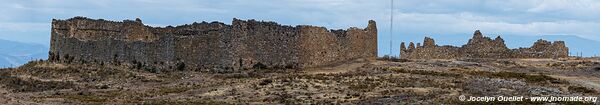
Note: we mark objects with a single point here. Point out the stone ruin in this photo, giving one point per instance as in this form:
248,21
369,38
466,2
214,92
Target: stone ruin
208,46
482,47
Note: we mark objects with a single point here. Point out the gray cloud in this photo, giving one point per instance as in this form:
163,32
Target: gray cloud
412,17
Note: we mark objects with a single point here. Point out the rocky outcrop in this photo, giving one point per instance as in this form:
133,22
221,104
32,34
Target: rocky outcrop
480,46
208,46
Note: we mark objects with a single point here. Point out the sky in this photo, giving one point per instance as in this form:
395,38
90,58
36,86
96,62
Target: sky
29,20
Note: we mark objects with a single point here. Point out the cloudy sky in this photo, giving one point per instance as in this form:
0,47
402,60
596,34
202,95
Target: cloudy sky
29,20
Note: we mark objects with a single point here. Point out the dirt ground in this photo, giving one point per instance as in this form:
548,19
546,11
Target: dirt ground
356,82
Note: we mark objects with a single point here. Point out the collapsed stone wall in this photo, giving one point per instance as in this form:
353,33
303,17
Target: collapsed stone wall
208,46
483,47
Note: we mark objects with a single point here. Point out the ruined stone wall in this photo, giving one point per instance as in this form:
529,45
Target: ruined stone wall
208,46
202,45
266,43
321,46
85,40
483,47
543,49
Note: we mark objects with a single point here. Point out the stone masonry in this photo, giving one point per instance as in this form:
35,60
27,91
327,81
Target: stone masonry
208,46
483,47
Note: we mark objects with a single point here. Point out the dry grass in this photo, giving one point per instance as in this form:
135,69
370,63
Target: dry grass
375,82
17,84
580,89
423,72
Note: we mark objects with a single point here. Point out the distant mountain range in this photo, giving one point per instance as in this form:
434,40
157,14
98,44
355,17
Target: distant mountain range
13,54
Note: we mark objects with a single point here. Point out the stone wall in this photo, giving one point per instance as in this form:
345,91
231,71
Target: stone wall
321,46
483,47
208,46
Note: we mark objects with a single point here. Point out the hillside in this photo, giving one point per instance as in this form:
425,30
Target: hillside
357,82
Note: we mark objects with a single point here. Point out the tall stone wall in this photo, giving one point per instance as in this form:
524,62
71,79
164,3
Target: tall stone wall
208,46
202,45
86,40
321,46
483,47
266,43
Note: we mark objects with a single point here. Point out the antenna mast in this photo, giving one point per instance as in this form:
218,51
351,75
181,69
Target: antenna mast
391,25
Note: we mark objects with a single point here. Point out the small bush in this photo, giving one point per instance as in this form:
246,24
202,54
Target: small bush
538,78
259,66
266,82
83,61
580,89
137,65
180,66
115,60
393,59
57,57
597,68
51,56
151,69
69,59
290,66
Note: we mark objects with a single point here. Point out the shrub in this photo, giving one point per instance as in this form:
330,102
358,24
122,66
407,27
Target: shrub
51,56
580,89
393,59
83,61
180,66
597,68
115,60
69,59
259,66
137,65
266,82
151,69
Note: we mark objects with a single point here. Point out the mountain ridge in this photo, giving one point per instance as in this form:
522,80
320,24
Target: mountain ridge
14,53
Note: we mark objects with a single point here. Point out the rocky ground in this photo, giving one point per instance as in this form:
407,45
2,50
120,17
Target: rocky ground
357,82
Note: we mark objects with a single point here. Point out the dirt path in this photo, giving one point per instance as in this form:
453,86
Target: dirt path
341,68
589,82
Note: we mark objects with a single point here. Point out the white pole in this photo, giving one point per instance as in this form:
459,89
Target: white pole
391,25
